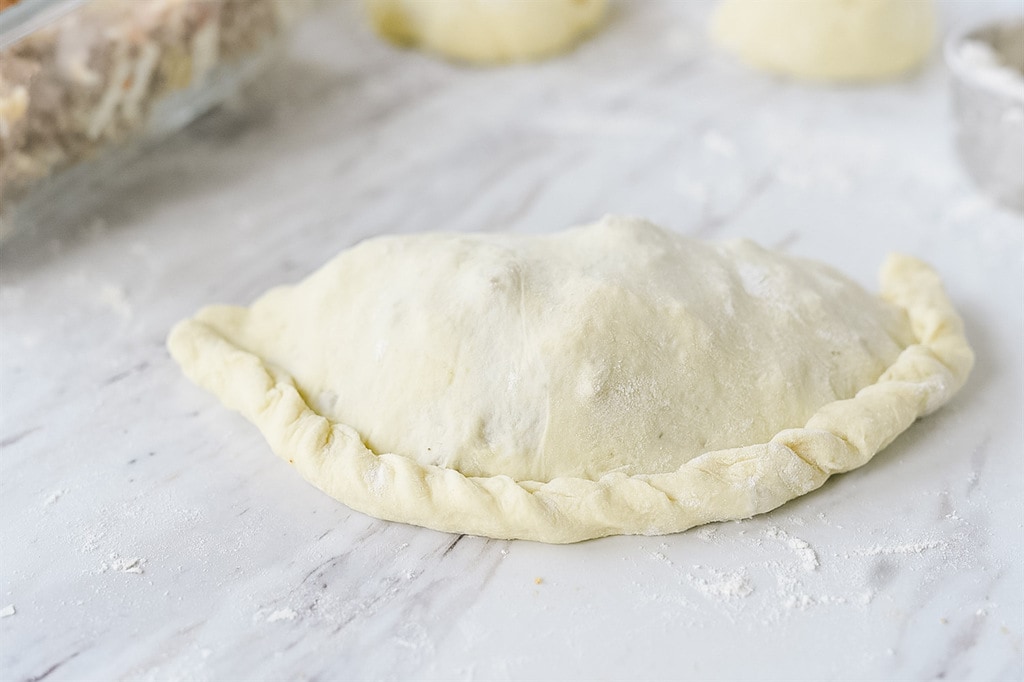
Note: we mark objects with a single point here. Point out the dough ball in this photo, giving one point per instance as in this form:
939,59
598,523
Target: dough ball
487,31
827,40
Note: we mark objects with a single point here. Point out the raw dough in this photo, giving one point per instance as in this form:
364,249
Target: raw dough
830,40
487,31
615,378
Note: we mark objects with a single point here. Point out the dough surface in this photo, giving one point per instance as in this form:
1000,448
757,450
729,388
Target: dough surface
827,40
487,31
615,378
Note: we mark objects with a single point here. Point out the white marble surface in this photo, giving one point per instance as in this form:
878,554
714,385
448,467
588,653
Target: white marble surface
148,533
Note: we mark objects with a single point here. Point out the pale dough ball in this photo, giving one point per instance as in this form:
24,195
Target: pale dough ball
828,40
487,31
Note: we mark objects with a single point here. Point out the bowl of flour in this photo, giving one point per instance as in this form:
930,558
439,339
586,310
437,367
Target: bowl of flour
986,65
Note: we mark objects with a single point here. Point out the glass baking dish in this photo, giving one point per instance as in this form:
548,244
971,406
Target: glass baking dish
83,82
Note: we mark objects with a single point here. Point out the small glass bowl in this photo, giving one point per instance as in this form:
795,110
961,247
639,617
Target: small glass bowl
986,63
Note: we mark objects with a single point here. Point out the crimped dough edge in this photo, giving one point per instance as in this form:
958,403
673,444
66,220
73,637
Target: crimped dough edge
720,485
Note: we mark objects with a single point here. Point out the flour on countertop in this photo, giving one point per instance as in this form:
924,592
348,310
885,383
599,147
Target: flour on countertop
721,584
123,564
808,557
54,496
825,520
802,602
910,548
704,533
793,596
282,614
91,541
790,578
8,611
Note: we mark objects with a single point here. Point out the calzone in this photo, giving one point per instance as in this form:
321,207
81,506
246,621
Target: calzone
613,378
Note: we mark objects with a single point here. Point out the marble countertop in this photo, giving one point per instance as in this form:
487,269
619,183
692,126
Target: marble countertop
150,534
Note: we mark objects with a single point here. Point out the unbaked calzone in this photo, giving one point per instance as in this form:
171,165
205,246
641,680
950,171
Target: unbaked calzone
614,378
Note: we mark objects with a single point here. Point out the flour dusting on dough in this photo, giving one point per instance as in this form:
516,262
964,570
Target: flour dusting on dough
376,479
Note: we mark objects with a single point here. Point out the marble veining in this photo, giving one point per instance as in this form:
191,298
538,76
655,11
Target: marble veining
149,534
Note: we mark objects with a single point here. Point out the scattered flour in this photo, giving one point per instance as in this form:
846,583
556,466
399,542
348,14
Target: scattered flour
707,533
808,557
282,614
802,602
8,611
792,595
122,564
911,548
825,520
801,582
722,584
54,496
91,541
